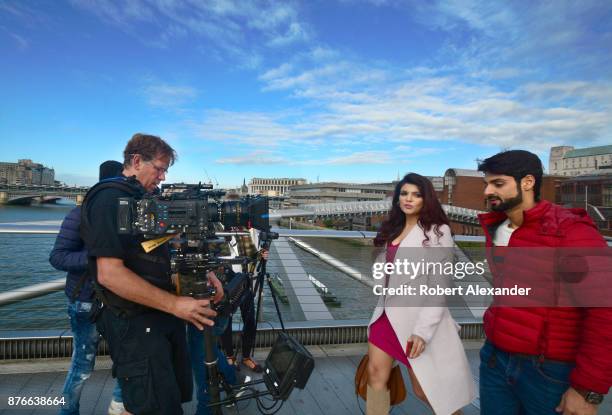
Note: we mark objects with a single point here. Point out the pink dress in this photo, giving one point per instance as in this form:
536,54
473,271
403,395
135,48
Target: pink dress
382,334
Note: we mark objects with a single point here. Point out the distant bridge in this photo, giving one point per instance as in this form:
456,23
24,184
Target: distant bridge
367,208
26,194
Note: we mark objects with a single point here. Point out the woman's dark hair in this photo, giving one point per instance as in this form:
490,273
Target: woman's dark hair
517,164
431,215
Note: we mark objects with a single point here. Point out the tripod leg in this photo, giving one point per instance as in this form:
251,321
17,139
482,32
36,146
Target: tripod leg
259,293
280,317
210,361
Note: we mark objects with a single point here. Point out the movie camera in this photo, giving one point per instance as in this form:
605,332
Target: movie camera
193,211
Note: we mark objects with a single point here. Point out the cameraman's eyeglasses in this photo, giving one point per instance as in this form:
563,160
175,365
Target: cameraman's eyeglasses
159,170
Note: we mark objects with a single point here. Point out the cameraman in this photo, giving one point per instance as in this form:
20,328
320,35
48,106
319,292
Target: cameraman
139,316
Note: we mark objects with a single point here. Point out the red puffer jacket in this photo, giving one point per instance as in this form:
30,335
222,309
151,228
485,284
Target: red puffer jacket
580,335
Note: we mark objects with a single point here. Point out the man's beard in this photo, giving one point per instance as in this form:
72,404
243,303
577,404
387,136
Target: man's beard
507,204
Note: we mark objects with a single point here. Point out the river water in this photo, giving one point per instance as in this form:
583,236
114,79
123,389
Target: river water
24,261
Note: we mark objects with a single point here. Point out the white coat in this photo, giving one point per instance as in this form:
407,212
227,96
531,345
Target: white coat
442,369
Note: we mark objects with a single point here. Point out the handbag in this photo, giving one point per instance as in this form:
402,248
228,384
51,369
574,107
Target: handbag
395,384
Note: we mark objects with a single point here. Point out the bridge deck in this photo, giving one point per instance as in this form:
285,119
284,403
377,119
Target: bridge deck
329,390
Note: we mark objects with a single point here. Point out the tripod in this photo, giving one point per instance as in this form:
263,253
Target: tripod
266,238
216,381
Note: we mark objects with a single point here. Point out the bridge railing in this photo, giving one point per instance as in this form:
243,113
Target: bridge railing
34,323
39,295
381,207
27,311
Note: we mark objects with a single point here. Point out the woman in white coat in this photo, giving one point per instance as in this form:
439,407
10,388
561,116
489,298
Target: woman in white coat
418,332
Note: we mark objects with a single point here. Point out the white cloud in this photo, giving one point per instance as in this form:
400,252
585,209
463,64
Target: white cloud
360,157
259,157
594,93
22,43
275,73
396,107
409,152
235,30
557,36
256,129
26,12
168,96
254,158
505,77
294,33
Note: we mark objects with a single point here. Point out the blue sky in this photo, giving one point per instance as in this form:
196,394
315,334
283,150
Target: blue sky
344,90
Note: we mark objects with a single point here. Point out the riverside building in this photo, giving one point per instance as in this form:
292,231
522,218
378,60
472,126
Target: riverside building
570,161
273,186
26,172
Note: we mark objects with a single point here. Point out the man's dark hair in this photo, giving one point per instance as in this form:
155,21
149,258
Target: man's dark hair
149,147
515,163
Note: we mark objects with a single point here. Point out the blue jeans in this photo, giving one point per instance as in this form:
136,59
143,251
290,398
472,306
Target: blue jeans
195,339
512,384
85,344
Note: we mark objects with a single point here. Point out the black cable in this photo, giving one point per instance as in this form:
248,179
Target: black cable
275,402
266,410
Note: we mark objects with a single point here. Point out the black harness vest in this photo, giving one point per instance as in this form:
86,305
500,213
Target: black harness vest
153,267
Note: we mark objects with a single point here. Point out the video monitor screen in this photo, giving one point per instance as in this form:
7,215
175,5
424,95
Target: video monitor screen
280,359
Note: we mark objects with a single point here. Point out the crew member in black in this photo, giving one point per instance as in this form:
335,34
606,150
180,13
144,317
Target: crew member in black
141,318
244,246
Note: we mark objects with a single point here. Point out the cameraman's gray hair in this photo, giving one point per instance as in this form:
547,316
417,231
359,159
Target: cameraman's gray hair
149,147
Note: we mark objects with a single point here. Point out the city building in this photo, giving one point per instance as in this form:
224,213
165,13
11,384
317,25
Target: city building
26,172
569,161
464,188
338,192
273,186
438,184
274,202
8,173
238,191
592,192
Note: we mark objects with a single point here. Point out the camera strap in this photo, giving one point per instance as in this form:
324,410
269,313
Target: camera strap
79,285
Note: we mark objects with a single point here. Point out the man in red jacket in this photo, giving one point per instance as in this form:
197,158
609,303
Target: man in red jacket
541,359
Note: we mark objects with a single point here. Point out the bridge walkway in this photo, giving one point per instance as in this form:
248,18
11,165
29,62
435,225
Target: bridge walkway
330,388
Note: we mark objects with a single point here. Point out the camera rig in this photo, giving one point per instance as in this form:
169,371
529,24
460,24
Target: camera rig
194,211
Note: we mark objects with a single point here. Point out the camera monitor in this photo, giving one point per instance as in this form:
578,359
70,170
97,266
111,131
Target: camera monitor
288,365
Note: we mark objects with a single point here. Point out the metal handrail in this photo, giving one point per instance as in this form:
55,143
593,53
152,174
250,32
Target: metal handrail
31,291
